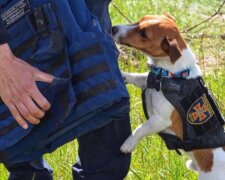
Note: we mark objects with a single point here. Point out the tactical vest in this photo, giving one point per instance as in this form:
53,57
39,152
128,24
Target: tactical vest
62,38
201,118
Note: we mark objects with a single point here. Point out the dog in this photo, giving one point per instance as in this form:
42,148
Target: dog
159,38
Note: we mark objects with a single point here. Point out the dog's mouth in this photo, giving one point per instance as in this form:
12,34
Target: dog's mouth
115,30
120,34
118,37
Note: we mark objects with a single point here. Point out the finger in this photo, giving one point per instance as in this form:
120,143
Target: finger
17,116
44,77
33,108
27,114
40,99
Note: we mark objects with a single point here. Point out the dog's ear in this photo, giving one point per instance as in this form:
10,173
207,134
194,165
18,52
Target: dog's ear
171,47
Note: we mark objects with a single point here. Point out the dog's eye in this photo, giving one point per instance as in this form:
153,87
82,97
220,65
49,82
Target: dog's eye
142,33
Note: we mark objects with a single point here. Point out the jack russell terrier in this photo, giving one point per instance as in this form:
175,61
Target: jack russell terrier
172,63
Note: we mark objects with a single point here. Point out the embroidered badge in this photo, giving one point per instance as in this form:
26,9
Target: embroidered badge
14,13
200,111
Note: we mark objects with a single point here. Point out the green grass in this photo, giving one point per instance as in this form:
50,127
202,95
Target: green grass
151,160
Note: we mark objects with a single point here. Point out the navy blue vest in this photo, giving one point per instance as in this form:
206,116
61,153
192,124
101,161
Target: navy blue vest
65,39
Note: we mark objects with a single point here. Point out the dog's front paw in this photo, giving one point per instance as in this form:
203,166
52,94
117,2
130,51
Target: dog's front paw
191,165
129,144
124,77
125,80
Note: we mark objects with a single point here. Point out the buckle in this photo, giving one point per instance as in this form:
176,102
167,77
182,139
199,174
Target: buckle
40,20
158,82
154,81
190,145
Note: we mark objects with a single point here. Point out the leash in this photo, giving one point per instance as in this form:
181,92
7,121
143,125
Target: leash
121,13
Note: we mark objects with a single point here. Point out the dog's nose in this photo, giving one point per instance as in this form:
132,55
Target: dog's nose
115,30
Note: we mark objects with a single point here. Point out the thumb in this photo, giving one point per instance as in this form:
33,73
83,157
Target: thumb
44,77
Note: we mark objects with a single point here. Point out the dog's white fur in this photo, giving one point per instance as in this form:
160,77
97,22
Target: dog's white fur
160,109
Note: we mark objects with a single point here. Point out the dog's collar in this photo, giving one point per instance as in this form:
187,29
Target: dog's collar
167,74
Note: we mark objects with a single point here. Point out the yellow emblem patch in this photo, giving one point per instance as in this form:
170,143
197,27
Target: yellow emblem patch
200,111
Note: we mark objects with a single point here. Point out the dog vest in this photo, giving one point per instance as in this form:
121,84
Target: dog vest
62,38
201,118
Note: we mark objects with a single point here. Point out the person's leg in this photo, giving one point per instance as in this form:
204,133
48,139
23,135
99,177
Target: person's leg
34,170
99,153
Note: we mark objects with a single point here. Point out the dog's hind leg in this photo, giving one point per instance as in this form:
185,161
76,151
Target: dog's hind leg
137,79
191,165
154,125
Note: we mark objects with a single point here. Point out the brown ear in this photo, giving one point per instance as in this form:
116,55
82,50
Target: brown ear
171,48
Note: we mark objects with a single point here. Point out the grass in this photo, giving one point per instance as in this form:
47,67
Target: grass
151,159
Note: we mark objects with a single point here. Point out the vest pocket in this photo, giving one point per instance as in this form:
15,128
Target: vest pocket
37,39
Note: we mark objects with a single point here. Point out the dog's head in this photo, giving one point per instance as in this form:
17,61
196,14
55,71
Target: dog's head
156,36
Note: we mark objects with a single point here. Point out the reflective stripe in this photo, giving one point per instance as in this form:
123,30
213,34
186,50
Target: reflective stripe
85,49
65,101
4,115
59,61
65,74
96,90
85,53
5,130
47,116
89,72
29,43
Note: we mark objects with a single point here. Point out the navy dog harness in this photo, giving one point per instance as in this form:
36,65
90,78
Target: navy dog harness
201,118
62,38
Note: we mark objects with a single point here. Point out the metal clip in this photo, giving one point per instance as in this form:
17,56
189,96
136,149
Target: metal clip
158,82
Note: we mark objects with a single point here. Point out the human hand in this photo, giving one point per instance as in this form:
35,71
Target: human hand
18,89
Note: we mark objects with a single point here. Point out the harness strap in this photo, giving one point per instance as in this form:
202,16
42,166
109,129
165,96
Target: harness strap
167,85
175,143
213,103
144,103
154,81
172,142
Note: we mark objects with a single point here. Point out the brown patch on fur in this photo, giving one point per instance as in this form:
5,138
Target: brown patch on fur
177,125
155,29
204,158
